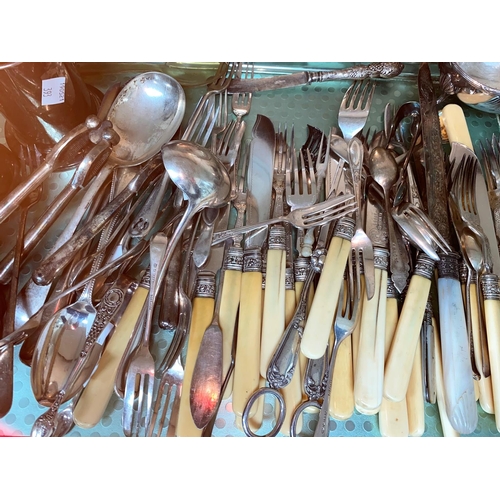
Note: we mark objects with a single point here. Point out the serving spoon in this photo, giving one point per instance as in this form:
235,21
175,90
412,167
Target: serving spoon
202,179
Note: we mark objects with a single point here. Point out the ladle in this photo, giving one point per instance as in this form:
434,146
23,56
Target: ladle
201,177
385,173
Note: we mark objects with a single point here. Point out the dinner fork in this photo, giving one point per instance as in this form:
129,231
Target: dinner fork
464,195
316,215
139,385
354,110
361,245
301,192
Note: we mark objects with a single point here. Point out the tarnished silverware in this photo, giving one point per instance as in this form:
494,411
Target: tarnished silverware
373,70
316,215
139,385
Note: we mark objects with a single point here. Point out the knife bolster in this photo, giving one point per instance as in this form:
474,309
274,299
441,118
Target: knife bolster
234,259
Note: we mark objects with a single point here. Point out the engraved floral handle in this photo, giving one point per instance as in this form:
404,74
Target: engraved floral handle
284,360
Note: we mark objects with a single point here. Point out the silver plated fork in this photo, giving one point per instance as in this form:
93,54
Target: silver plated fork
361,245
241,102
345,322
355,108
139,385
301,192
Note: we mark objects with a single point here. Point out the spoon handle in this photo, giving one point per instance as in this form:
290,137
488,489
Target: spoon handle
11,202
58,260
399,262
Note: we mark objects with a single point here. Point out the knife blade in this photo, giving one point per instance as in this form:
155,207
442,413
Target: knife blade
373,70
457,371
246,376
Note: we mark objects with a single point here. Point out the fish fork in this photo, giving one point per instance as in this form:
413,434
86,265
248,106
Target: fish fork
354,111
141,368
361,245
305,218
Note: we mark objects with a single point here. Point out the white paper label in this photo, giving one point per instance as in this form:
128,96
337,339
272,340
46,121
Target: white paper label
53,90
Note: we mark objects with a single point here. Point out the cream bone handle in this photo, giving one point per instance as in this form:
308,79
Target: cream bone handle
489,285
202,315
246,375
342,393
320,319
99,389
369,374
399,362
393,416
486,399
229,305
415,397
273,314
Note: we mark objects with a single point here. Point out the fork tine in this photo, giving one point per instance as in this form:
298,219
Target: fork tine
369,97
351,95
312,176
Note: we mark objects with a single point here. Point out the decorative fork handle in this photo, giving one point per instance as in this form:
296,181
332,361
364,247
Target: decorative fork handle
284,360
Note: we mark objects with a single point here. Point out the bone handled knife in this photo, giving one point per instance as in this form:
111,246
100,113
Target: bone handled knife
401,355
369,374
246,377
393,416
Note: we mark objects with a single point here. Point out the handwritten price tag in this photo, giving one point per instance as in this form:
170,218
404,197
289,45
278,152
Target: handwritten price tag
53,90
